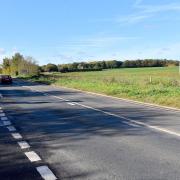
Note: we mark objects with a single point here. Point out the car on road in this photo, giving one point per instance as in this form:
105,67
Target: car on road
5,79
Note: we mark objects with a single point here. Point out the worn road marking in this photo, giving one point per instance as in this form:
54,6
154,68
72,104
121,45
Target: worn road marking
16,136
23,145
71,104
1,124
2,114
32,156
6,123
4,118
11,128
46,173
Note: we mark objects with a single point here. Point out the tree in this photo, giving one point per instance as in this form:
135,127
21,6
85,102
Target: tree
51,68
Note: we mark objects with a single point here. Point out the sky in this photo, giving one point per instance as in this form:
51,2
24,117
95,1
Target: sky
66,31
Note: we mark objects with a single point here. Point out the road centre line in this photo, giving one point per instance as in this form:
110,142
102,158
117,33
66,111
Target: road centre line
16,135
156,128
32,156
2,114
11,128
46,173
4,118
23,144
6,123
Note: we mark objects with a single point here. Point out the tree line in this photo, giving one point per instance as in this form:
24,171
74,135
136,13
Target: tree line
19,65
100,65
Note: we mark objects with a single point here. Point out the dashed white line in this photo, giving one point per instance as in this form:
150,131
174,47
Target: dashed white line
4,118
6,123
32,156
16,136
1,124
23,145
2,114
11,128
46,173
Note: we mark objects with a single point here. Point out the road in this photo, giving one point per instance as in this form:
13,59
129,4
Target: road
76,135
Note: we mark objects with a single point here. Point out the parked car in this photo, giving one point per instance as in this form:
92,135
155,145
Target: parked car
5,79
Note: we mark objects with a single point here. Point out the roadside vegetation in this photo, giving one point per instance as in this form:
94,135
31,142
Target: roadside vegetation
159,85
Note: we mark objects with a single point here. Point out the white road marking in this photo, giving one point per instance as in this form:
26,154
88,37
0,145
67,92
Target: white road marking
6,123
16,136
2,114
32,156
46,173
4,118
167,131
1,96
1,124
71,104
11,128
0,107
23,145
132,124
1,111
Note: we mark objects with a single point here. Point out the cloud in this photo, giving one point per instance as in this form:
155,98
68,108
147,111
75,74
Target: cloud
135,18
2,51
145,11
137,2
159,8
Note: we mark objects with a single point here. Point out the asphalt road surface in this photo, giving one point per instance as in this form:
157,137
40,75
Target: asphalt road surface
52,133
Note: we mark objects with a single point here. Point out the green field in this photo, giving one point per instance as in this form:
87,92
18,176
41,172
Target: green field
153,85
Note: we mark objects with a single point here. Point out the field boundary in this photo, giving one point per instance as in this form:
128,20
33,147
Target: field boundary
123,99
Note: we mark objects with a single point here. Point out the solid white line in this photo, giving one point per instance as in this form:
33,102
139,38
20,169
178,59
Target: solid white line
11,128
6,123
132,124
16,136
46,173
150,105
123,117
4,118
32,156
23,145
71,104
2,114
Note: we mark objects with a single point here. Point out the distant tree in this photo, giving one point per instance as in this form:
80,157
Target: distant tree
51,68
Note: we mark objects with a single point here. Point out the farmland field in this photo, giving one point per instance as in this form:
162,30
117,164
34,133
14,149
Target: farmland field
152,85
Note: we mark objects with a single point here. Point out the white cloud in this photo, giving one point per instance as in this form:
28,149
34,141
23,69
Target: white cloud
144,11
2,51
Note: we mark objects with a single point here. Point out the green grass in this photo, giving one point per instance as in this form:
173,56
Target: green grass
153,85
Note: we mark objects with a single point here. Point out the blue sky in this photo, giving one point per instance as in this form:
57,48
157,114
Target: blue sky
64,31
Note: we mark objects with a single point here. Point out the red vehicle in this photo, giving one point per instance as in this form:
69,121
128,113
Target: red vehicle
5,79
